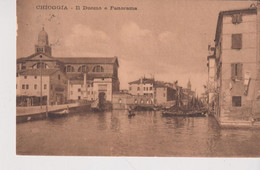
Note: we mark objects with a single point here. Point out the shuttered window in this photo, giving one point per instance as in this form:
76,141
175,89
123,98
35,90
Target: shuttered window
236,70
236,41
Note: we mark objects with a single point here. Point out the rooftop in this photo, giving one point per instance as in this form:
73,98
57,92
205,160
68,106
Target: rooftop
43,72
252,10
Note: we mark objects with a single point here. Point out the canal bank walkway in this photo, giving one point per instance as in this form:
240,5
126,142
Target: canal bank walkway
22,111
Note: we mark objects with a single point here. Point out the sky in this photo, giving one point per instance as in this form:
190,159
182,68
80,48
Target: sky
166,39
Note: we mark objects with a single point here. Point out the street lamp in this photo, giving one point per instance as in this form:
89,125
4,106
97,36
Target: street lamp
41,80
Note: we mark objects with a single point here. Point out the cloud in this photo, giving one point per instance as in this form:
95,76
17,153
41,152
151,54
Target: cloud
84,41
131,34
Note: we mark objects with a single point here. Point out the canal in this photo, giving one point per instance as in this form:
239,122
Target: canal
146,134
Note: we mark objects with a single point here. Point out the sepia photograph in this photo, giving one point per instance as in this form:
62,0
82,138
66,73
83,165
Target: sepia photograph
138,78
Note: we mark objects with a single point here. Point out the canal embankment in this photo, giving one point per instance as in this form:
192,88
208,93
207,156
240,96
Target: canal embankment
25,114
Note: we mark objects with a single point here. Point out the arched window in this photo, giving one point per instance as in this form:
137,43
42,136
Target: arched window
82,69
98,68
38,65
69,68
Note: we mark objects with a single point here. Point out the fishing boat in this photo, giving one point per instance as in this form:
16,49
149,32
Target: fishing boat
193,109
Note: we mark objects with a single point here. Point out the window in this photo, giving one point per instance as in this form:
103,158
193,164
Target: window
27,86
69,68
151,88
51,87
79,89
138,88
78,97
82,69
135,101
144,88
236,101
45,86
35,86
25,77
58,76
40,65
236,41
164,95
98,69
236,70
23,86
35,77
236,18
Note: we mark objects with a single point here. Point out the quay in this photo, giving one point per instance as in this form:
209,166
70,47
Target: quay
24,114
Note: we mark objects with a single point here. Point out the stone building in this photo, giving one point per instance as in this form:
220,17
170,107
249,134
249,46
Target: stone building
51,84
88,77
80,78
160,92
237,49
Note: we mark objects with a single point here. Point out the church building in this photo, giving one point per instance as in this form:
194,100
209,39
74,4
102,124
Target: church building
59,80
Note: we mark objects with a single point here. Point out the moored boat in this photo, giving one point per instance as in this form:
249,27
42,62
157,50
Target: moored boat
184,114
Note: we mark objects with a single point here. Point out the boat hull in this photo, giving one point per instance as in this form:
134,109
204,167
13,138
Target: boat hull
180,114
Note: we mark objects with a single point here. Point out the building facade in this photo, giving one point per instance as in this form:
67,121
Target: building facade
160,92
237,88
51,84
81,78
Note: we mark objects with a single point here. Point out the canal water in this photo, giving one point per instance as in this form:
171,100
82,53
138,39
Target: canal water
146,134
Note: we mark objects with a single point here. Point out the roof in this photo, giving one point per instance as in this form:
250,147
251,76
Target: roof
44,72
19,60
231,12
145,81
159,84
89,60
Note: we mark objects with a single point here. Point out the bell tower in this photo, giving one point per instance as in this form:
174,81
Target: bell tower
189,85
43,43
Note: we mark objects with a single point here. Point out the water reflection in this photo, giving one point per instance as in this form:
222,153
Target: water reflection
145,134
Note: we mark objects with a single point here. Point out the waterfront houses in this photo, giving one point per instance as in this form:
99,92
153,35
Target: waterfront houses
234,84
60,80
160,92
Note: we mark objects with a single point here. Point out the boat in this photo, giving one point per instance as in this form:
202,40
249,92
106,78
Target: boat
56,114
143,108
193,109
184,114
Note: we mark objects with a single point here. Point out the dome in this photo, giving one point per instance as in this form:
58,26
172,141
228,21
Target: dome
43,38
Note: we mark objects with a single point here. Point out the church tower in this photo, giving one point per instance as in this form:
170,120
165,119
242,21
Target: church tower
43,43
189,85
